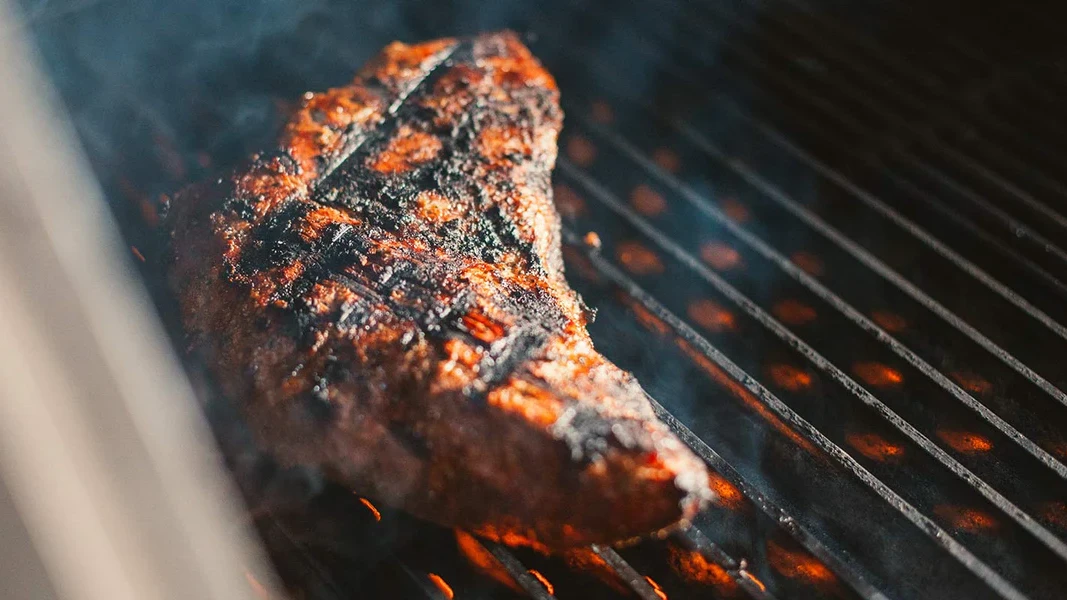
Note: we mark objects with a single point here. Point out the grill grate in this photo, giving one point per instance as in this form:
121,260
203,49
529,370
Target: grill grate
829,246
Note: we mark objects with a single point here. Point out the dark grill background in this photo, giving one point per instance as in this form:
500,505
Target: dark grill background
832,248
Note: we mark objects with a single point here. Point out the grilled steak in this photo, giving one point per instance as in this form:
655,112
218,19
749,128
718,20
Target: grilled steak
384,295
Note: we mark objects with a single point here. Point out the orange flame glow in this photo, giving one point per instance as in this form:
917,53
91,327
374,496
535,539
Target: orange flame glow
667,160
662,595
975,384
149,213
711,316
581,151
727,494
441,585
601,112
965,442
511,538
693,567
793,312
891,322
789,377
592,240
720,256
753,579
638,259
484,560
877,374
735,210
647,319
875,447
544,581
809,263
373,509
568,202
719,376
965,519
798,564
647,201
584,559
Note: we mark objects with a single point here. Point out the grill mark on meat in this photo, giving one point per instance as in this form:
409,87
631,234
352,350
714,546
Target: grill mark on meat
384,296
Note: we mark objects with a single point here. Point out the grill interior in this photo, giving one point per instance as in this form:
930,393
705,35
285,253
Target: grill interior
830,245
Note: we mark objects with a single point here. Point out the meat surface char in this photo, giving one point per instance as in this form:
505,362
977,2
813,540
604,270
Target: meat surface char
384,296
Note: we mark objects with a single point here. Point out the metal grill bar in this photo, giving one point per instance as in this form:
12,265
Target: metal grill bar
933,531
857,251
903,92
830,297
518,572
834,112
907,225
637,583
848,571
696,539
923,137
838,303
816,359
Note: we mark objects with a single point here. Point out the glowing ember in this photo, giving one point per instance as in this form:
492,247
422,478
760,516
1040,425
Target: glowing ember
875,447
544,581
137,253
441,585
148,209
373,510
568,202
754,580
789,377
727,495
638,259
581,151
975,384
667,159
647,201
965,442
711,316
584,559
648,320
891,322
733,209
1059,449
809,263
511,538
257,587
592,240
693,567
965,519
484,560
797,564
720,256
718,375
744,395
602,112
656,588
877,374
792,312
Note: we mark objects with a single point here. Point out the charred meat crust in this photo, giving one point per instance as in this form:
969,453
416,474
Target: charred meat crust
384,295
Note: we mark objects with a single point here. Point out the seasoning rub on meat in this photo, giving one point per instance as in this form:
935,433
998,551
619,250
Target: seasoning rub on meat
383,293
